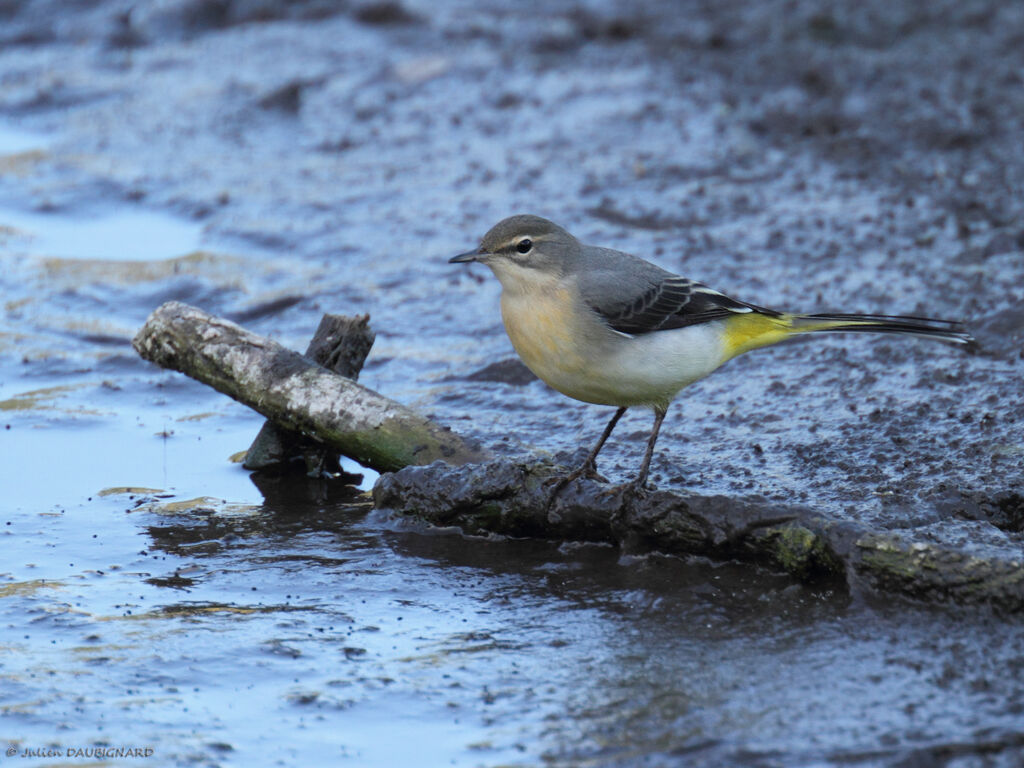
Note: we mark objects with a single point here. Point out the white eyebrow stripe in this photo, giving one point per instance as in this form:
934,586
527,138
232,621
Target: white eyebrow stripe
513,242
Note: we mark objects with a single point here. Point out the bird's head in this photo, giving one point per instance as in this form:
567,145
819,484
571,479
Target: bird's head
520,244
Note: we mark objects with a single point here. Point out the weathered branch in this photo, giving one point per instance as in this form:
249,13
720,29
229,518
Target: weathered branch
341,345
295,392
510,498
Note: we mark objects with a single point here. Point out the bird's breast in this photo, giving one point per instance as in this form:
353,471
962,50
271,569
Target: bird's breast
544,331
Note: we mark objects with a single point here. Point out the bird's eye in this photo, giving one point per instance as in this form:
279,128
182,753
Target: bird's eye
525,245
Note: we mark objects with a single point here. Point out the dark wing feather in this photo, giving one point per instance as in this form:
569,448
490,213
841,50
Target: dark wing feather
634,296
673,302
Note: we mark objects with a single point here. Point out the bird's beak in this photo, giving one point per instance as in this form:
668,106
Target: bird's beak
465,258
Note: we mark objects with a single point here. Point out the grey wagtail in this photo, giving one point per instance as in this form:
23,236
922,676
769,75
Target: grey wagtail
606,327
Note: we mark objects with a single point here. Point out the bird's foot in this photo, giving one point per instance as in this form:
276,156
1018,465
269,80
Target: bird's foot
588,470
639,489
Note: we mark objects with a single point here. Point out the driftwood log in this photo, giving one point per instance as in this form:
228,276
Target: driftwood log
341,345
295,392
433,474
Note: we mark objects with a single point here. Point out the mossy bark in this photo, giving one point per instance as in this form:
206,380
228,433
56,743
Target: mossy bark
936,573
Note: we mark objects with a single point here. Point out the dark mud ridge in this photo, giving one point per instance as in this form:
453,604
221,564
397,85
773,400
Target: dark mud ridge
510,498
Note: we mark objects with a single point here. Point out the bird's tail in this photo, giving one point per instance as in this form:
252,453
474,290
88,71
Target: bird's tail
761,328
942,330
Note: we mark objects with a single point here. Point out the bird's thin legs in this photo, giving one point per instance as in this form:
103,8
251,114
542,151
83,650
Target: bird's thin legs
640,484
589,466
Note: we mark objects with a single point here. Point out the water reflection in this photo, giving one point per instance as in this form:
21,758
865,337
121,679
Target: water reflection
120,234
15,141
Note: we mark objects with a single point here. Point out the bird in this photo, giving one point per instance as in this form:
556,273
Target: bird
606,327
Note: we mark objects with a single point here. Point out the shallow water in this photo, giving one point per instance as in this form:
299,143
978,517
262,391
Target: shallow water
118,235
387,645
153,594
14,141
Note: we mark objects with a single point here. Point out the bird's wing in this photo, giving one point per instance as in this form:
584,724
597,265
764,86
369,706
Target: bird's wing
637,297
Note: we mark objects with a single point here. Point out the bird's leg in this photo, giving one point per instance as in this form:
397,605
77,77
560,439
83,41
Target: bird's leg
639,485
589,466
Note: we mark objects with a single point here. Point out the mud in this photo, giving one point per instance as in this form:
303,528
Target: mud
282,160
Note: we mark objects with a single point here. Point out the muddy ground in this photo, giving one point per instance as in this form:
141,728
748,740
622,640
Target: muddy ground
272,161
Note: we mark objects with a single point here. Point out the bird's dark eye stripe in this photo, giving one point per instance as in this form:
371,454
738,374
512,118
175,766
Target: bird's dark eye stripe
524,245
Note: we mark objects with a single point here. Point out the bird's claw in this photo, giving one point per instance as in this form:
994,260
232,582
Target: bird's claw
638,489
589,471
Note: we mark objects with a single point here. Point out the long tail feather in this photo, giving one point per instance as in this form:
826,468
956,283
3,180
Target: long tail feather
942,330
